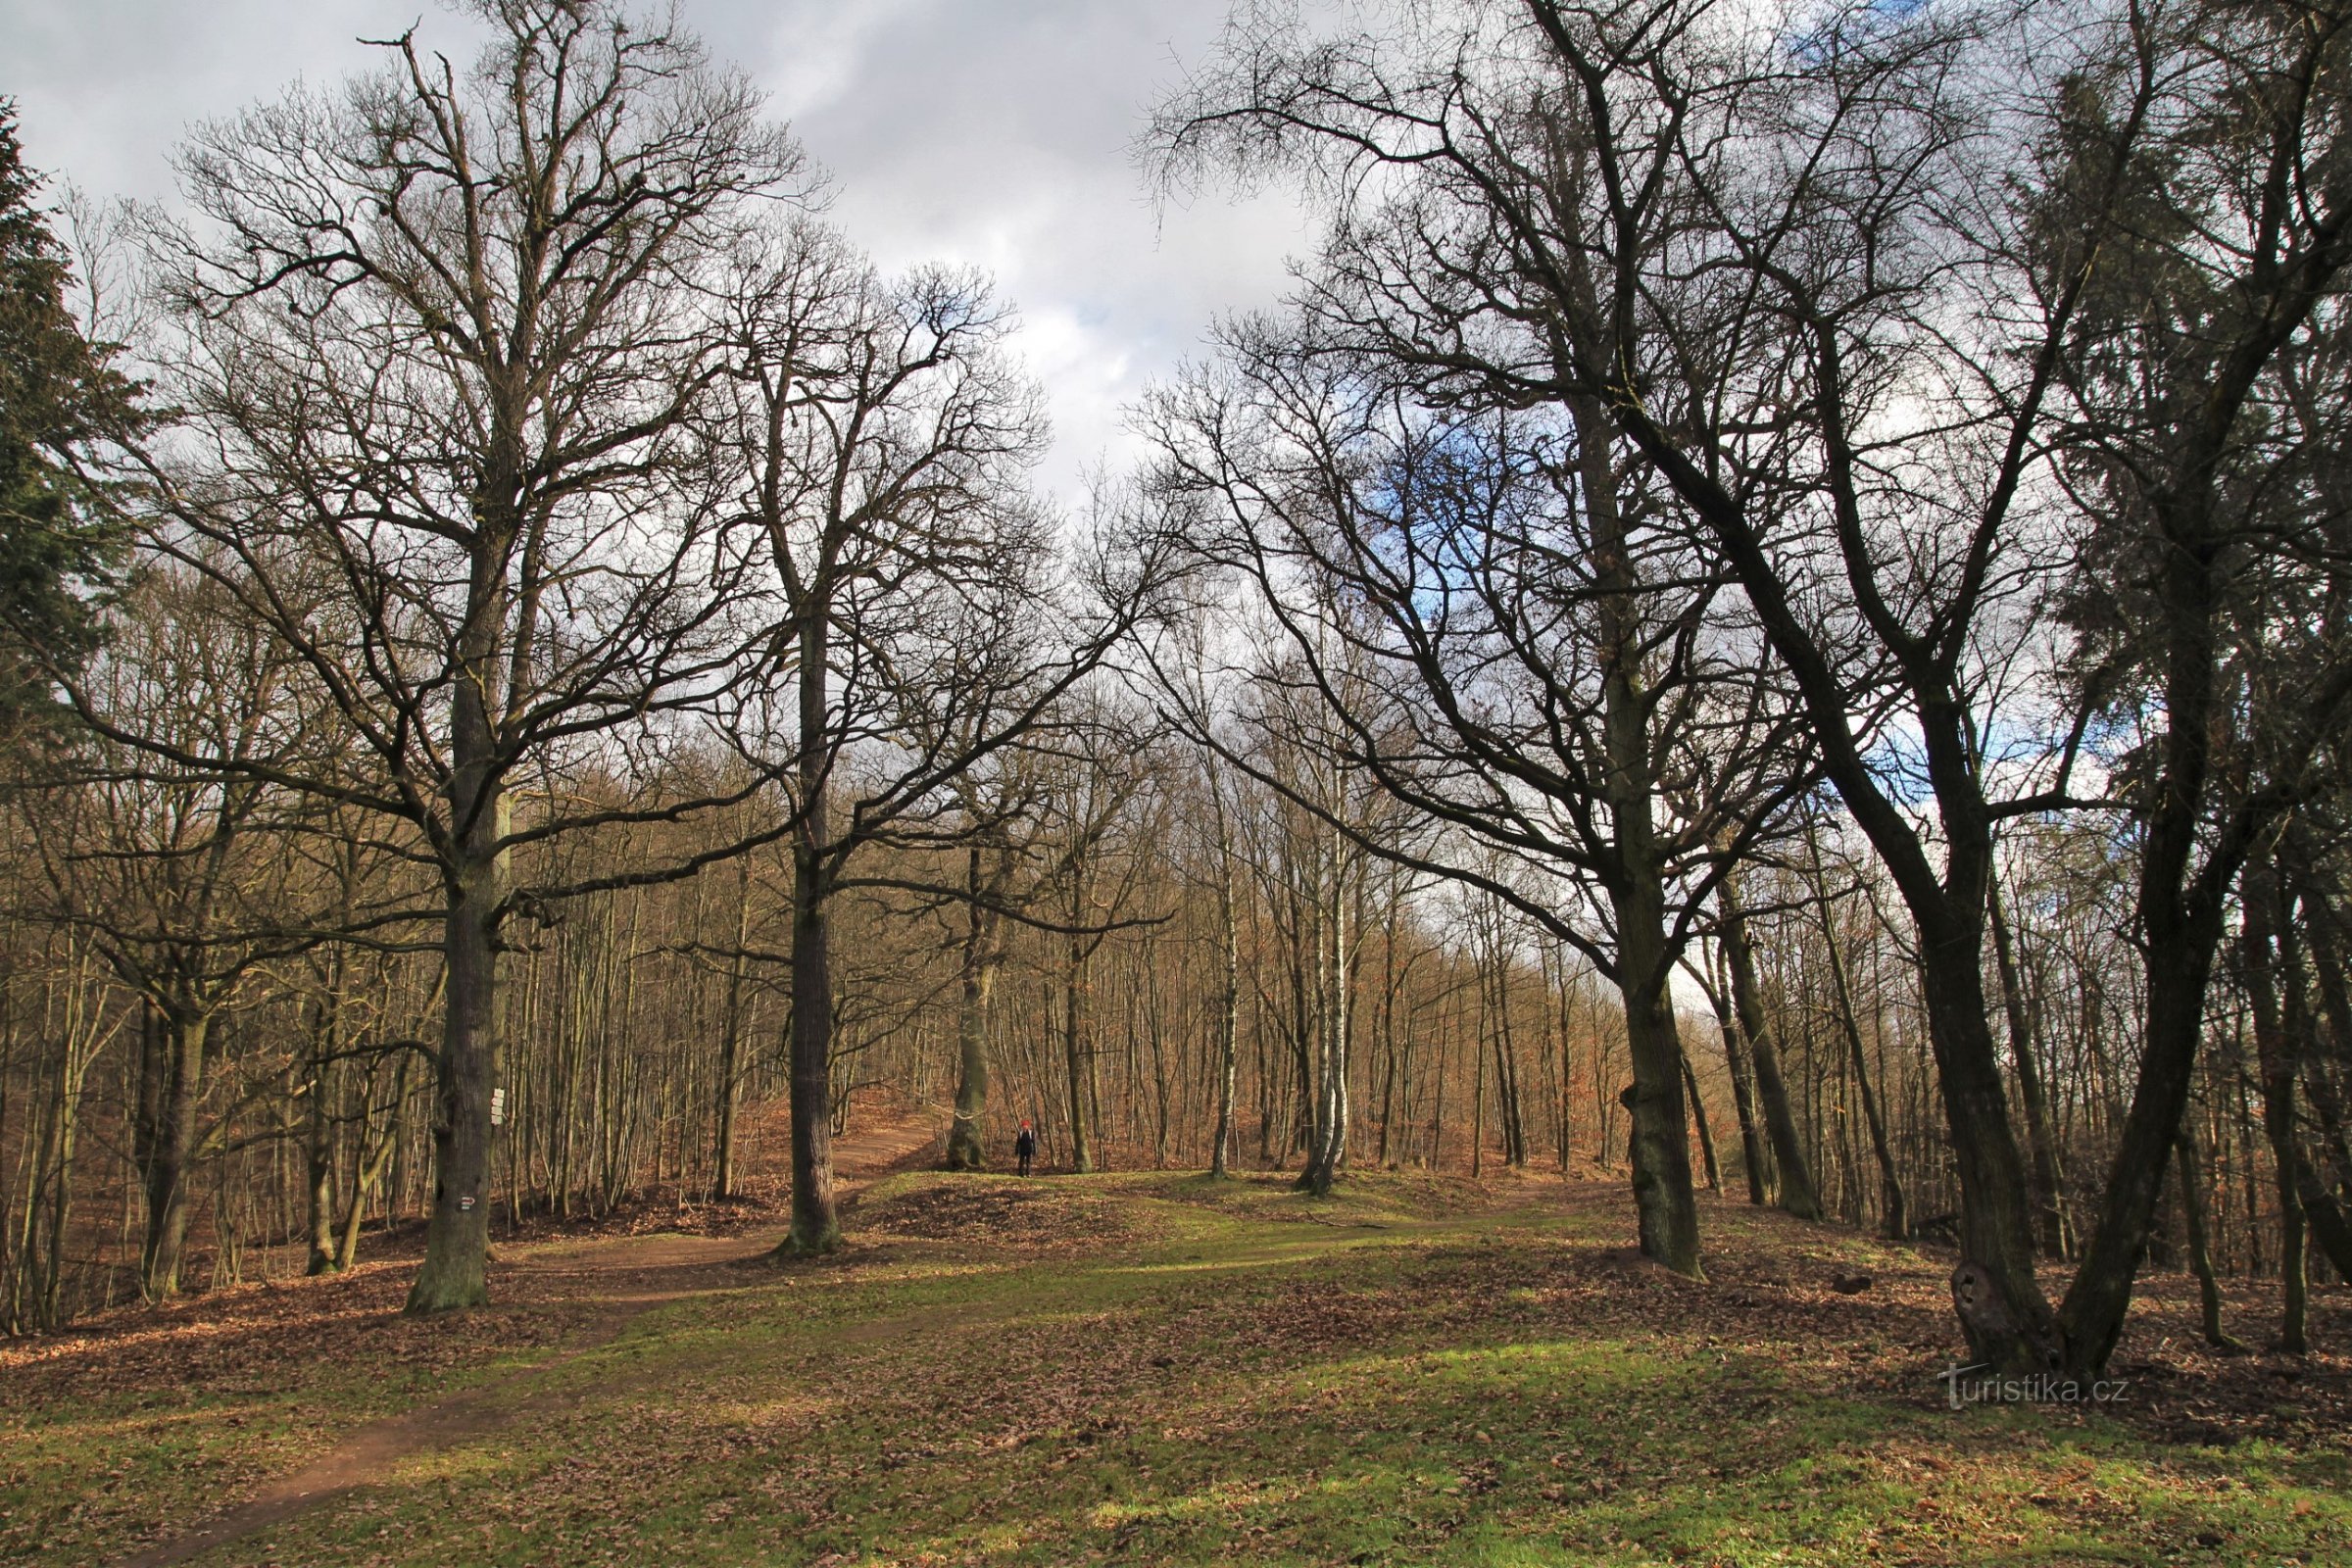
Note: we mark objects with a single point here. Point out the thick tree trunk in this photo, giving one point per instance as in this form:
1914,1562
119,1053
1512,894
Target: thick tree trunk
975,979
454,1273
457,1238
1665,1206
2010,1325
1660,1141
170,1151
815,1224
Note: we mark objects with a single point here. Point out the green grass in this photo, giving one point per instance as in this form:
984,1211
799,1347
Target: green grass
1398,1375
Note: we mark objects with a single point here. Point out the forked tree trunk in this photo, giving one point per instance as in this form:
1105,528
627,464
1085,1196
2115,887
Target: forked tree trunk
2200,1249
1754,1157
1793,1189
2270,965
170,1149
376,1151
1706,1134
2040,1147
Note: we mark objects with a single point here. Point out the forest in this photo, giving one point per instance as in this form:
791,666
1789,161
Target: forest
1760,647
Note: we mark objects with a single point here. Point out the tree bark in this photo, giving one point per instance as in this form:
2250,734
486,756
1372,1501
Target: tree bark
2200,1250
167,1168
1754,1157
454,1273
1706,1134
1229,1002
815,1223
730,1048
2270,968
1792,1173
976,972
2040,1148
1073,1045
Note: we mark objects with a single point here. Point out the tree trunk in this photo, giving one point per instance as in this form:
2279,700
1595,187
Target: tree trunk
815,1225
2200,1252
1794,1190
975,977
2179,960
730,1048
1754,1157
457,1238
2272,968
2040,1145
170,1151
1229,1003
454,1273
1706,1134
1327,1130
319,1151
1073,1048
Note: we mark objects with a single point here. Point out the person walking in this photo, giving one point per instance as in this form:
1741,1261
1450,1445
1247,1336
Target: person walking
1024,1145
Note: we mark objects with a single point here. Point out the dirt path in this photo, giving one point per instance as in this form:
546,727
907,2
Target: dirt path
621,1277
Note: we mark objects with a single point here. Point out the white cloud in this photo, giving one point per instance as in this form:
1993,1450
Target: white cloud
988,133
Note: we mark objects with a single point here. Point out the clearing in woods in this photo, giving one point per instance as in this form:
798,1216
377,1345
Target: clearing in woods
1157,1368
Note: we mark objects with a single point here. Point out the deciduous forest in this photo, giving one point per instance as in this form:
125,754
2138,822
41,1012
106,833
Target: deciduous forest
1707,777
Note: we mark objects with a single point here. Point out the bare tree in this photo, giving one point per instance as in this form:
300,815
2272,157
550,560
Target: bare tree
187,882
1531,653
438,335
877,441
1813,273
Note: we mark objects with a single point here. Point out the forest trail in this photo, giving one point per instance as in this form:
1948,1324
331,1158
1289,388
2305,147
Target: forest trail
619,1278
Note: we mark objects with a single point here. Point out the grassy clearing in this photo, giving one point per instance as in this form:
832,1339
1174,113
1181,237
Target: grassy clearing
107,1433
1155,1369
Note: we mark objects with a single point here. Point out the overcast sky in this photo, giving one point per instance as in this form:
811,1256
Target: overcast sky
985,132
